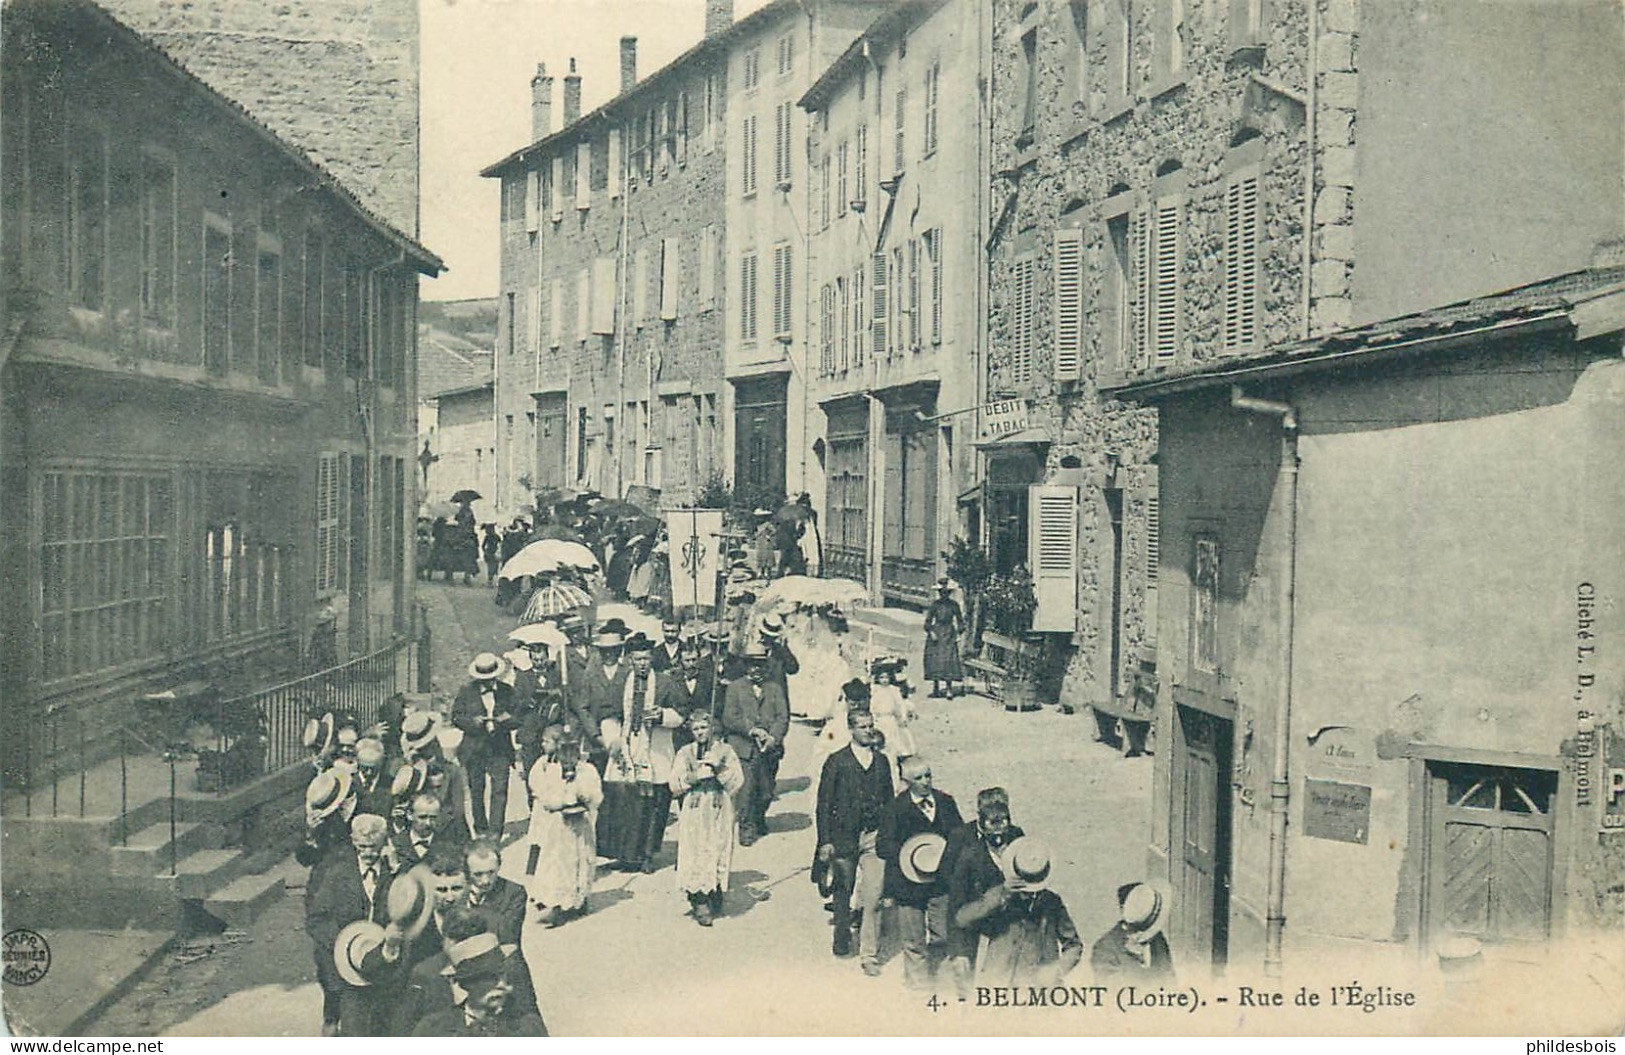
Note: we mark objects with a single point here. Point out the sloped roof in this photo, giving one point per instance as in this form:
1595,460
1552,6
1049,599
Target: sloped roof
882,33
450,363
1558,301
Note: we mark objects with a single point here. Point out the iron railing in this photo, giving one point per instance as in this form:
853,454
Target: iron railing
359,687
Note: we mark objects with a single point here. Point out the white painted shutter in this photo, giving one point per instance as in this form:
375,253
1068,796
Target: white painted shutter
640,287
1068,304
1140,251
936,286
1165,279
583,175
555,315
747,155
878,291
603,295
1053,531
533,200
670,259
583,303
1153,548
1240,263
614,163
914,294
557,185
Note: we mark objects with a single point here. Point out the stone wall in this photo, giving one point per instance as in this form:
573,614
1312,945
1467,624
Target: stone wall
337,78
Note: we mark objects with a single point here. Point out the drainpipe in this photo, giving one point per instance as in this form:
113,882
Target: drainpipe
1280,779
1311,94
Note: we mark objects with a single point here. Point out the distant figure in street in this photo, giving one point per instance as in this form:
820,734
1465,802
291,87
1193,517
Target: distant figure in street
888,702
912,841
763,545
972,862
1026,934
787,546
1134,951
491,550
487,712
567,794
854,790
944,622
755,717
706,775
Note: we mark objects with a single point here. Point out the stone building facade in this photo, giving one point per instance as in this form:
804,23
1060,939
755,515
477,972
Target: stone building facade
336,78
894,254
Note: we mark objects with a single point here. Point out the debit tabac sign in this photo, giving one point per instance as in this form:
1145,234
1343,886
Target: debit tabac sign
1004,417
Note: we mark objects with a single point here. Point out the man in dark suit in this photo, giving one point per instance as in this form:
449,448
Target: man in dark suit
972,865
500,902
373,777
602,691
429,990
665,655
755,717
854,791
922,908
353,887
685,688
487,712
426,833
575,690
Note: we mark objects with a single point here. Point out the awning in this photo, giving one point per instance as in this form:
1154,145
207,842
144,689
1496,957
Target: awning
1025,437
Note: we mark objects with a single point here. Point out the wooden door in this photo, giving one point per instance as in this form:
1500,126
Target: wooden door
1202,864
551,441
1490,851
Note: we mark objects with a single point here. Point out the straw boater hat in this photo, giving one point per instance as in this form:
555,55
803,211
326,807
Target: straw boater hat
920,857
409,780
473,962
487,666
756,652
772,626
353,944
319,733
1143,907
608,639
418,728
327,792
1026,865
409,902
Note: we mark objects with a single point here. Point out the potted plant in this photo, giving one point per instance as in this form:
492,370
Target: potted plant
240,727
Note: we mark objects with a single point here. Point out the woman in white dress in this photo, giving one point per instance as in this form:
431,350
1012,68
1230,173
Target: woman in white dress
566,800
889,704
707,774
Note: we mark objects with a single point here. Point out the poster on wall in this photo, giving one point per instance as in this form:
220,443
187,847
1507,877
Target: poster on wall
1337,811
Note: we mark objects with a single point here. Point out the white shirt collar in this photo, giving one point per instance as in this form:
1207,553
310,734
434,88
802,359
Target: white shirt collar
864,755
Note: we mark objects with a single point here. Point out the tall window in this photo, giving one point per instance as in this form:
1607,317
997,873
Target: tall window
1168,39
782,298
841,195
860,177
157,242
311,301
787,54
781,144
1162,282
753,69
1029,101
1117,286
914,293
823,192
1023,321
87,219
104,569
1119,43
268,308
216,294
844,307
826,330
1241,261
899,130
860,318
1205,604
1067,292
933,244
933,82
329,515
747,297
747,155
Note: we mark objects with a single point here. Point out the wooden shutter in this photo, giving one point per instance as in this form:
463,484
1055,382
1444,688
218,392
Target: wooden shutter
1140,286
880,305
747,297
1068,303
860,318
670,259
1241,263
914,294
614,163
781,145
708,266
583,302
898,129
936,286
747,155
640,286
1152,497
1165,279
533,200
1053,531
555,315
603,295
556,181
583,175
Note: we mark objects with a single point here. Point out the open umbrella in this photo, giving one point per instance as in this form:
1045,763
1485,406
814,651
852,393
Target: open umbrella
556,598
618,509
539,634
440,509
467,494
806,590
548,555
794,513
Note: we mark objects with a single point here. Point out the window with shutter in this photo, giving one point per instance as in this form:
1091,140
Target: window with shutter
534,323
914,294
640,287
781,145
1241,262
899,126
1165,278
329,506
555,314
670,270
747,297
844,307
826,330
782,299
898,293
533,200
860,175
603,295
583,303
1068,260
747,156
583,175
1140,235
708,266
1022,306
860,318
841,195
556,185
823,193
933,82
936,284
880,306
1153,549
1053,535
753,69
614,166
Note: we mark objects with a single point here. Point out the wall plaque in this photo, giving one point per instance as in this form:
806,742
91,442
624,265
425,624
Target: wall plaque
1337,811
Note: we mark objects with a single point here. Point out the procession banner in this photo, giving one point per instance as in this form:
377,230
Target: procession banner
694,536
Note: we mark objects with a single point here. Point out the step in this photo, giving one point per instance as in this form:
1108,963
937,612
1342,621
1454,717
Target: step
240,902
202,873
148,851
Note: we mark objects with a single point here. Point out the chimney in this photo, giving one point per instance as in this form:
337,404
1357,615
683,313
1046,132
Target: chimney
541,103
719,15
572,96
629,63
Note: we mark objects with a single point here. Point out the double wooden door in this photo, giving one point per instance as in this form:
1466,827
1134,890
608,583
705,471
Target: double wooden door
1490,852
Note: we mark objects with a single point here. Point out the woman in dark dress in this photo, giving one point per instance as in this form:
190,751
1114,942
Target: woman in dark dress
943,623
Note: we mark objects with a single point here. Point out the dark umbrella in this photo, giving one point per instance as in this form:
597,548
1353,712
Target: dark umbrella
795,513
466,495
618,509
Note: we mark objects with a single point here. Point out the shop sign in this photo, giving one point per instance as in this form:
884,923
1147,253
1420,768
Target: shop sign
1004,417
1337,811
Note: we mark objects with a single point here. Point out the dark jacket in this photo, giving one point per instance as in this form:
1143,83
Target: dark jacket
485,746
971,872
1110,958
340,900
742,711
662,657
503,910
601,696
903,820
377,797
448,838
851,800
453,1023
781,663
321,845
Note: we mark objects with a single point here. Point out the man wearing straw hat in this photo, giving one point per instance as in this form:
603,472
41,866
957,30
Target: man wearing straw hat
487,712
755,717
1135,949
602,688
483,990
1027,937
354,886
463,933
913,836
